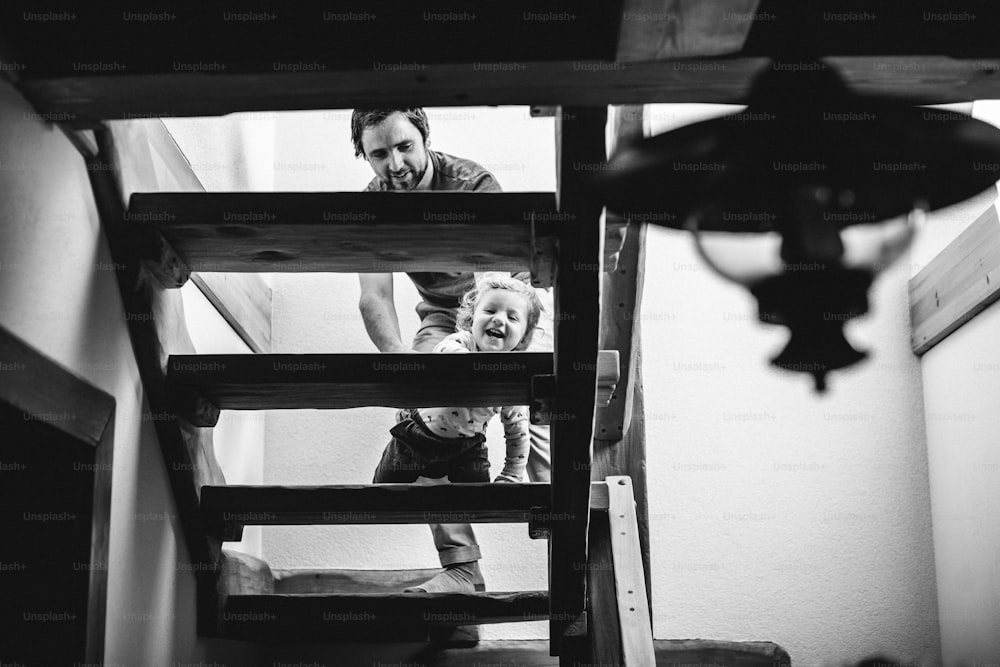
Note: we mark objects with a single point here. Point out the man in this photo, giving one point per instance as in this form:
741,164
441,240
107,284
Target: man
396,143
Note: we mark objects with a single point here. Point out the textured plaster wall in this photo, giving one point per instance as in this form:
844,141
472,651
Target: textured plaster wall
961,377
58,292
776,514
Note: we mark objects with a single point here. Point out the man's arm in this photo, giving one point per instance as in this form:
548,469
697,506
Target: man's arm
378,310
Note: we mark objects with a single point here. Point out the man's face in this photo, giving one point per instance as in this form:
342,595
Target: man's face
395,150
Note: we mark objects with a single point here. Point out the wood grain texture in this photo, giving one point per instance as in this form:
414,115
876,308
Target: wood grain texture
657,30
348,582
580,133
337,381
628,457
621,297
668,653
377,616
630,577
602,601
347,232
227,509
958,284
917,79
156,328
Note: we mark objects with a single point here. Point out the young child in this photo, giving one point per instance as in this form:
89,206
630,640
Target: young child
440,445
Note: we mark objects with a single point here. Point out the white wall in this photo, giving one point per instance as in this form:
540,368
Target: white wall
776,514
59,293
961,377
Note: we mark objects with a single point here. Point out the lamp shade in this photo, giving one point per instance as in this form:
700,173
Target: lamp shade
803,129
805,168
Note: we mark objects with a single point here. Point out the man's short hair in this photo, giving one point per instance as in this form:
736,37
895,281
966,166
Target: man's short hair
365,118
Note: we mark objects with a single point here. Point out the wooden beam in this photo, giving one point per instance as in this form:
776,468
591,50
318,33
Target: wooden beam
580,148
622,290
925,79
602,601
376,617
674,29
44,396
668,653
630,578
228,508
958,284
349,232
349,582
308,36
152,315
337,381
44,391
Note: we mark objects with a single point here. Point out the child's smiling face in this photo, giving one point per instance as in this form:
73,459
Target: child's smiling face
500,320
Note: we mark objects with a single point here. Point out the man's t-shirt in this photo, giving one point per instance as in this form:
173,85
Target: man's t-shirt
451,174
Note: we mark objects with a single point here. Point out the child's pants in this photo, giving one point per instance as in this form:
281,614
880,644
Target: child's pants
415,455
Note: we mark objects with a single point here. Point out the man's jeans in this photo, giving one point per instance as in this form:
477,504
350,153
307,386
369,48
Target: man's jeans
456,541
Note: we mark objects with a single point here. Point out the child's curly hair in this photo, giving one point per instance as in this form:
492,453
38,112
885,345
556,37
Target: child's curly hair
493,280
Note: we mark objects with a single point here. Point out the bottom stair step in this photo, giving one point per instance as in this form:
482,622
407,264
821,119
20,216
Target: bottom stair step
372,617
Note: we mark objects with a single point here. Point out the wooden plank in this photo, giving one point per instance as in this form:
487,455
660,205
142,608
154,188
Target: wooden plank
630,579
100,542
228,508
924,79
349,582
628,457
602,602
657,30
958,284
669,653
309,36
244,301
44,391
154,317
580,147
43,394
622,293
372,617
337,381
360,232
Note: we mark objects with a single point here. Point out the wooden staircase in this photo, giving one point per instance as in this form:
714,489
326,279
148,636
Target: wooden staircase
162,236
597,601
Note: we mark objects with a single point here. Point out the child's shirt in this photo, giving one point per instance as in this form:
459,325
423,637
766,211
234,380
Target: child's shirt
467,422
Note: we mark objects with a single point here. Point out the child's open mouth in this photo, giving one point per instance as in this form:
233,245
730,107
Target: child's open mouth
495,333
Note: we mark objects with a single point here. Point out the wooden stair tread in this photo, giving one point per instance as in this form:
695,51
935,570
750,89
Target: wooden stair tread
374,617
352,232
286,381
227,509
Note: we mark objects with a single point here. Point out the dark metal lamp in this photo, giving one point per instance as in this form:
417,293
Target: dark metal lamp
822,188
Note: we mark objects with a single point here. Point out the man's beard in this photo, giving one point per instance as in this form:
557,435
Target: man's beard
409,184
